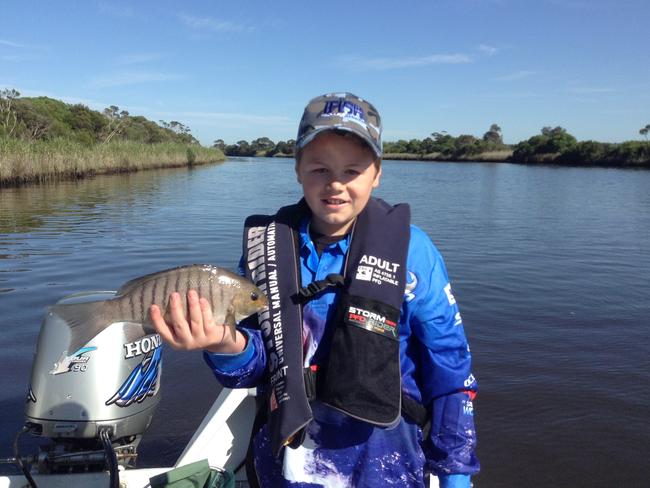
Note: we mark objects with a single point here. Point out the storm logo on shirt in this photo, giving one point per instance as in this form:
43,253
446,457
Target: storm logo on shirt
371,321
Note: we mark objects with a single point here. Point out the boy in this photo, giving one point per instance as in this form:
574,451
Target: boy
361,362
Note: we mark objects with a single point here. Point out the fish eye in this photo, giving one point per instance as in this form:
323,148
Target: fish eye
254,296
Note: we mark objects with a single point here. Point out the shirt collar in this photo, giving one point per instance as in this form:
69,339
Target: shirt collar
308,249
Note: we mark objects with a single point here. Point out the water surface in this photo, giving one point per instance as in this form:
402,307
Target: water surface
550,266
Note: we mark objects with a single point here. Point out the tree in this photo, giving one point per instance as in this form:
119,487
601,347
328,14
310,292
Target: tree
465,145
178,128
116,121
443,143
493,135
397,147
8,119
549,145
262,144
427,145
414,146
33,125
644,131
219,144
559,140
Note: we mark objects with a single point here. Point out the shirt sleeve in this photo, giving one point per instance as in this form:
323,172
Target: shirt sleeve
454,481
442,363
241,370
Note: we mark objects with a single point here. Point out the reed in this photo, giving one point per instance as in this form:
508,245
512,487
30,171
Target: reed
22,162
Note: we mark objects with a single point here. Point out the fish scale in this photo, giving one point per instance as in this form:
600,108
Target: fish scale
232,298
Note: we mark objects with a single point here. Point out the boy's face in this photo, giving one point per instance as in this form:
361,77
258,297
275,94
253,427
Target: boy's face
337,175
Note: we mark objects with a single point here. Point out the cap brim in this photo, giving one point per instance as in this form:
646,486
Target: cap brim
312,134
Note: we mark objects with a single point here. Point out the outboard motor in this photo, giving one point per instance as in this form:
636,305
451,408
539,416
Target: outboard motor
94,403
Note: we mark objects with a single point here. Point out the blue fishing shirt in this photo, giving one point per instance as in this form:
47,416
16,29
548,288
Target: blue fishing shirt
436,371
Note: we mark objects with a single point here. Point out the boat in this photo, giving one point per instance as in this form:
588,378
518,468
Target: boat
221,438
94,405
91,408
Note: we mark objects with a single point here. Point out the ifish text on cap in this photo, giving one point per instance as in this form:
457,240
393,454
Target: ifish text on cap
342,111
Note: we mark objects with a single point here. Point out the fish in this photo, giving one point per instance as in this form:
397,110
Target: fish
231,296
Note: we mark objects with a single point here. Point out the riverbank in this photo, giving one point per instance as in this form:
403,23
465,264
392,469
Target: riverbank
24,162
640,158
486,157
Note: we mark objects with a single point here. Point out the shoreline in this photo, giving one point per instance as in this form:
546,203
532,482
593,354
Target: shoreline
24,163
535,160
487,157
498,157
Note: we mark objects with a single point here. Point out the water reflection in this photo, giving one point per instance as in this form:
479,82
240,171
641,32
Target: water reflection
29,208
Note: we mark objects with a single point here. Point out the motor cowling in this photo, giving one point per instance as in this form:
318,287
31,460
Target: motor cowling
110,383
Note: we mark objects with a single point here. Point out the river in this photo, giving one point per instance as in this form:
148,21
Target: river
550,267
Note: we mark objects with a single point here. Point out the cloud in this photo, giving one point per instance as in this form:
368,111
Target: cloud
94,104
115,10
591,90
19,45
404,62
517,75
26,92
489,50
213,25
4,42
139,58
577,4
235,119
134,78
17,51
514,95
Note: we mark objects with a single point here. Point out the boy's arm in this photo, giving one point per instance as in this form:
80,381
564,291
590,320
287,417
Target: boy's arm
443,361
241,370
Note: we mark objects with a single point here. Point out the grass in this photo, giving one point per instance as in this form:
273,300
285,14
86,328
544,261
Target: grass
23,162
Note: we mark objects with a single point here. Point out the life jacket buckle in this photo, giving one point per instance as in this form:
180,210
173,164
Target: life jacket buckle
308,292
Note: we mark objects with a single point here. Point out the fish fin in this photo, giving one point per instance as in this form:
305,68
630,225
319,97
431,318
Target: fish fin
139,281
85,320
134,283
134,331
230,321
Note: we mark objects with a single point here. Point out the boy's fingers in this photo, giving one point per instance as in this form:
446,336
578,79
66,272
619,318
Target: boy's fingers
165,331
208,319
178,318
195,314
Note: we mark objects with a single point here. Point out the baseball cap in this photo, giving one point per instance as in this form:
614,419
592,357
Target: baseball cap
341,111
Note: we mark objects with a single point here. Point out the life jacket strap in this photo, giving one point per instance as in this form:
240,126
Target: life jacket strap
310,374
308,292
418,413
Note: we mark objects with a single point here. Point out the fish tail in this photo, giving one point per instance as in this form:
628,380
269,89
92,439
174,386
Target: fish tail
85,320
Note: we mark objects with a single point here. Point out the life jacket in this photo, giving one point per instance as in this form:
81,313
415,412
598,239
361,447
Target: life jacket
361,376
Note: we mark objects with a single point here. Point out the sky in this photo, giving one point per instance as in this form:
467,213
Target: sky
246,69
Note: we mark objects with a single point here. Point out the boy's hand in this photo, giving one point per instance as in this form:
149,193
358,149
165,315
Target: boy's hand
195,327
